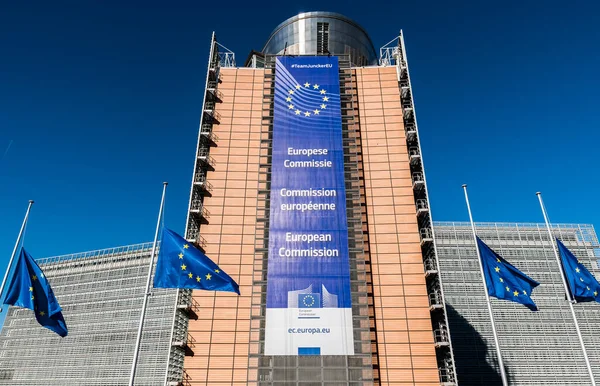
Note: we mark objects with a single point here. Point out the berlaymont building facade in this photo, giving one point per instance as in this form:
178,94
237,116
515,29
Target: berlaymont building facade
309,189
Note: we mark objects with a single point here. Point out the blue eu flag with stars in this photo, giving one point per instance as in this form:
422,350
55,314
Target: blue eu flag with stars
181,265
583,285
29,288
503,280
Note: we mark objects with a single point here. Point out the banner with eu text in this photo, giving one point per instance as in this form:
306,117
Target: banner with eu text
309,306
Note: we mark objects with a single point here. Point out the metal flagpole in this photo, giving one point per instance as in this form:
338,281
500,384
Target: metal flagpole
139,333
567,290
487,296
14,252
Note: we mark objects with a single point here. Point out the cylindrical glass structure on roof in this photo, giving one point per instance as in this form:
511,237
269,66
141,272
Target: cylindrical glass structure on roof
314,33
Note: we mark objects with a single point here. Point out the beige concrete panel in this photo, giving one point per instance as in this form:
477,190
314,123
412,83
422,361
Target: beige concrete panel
388,253
392,301
378,150
392,280
372,120
371,78
371,99
370,71
393,98
417,279
417,302
396,349
388,290
390,90
386,269
417,313
243,100
382,192
408,234
196,362
422,375
197,375
416,269
377,105
375,134
396,337
380,182
368,129
425,337
411,258
371,113
385,238
373,85
387,119
243,91
399,375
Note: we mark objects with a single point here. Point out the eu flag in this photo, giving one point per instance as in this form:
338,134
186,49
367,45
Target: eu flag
309,301
583,285
181,265
29,288
503,280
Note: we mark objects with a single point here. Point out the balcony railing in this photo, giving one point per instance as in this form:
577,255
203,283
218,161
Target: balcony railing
198,208
422,206
430,266
204,157
207,131
441,336
426,234
418,180
435,300
200,180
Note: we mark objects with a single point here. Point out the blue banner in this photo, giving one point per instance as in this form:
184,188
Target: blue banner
309,306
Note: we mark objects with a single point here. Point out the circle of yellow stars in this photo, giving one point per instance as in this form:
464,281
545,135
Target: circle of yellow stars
190,275
289,100
310,298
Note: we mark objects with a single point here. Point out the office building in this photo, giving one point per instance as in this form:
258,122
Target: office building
101,294
309,190
538,348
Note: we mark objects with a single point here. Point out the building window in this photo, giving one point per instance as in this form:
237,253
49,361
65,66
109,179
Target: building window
322,38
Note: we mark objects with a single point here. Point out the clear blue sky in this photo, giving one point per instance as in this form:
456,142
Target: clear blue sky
101,102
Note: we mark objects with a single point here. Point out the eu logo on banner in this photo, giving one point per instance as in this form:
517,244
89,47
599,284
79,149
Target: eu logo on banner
309,301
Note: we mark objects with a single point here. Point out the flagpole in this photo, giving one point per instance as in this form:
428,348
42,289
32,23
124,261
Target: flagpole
14,252
139,333
567,290
487,296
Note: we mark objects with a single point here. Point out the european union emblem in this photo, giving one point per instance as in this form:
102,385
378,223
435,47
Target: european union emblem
181,265
503,280
583,285
29,288
309,301
305,100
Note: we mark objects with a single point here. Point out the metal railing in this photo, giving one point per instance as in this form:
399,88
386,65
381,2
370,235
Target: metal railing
205,157
426,234
417,178
198,207
207,130
435,299
440,336
414,151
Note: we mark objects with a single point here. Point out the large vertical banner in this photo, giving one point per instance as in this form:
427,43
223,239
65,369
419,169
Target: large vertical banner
309,306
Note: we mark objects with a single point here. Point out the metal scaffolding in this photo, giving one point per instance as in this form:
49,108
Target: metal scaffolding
394,54
101,293
538,348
